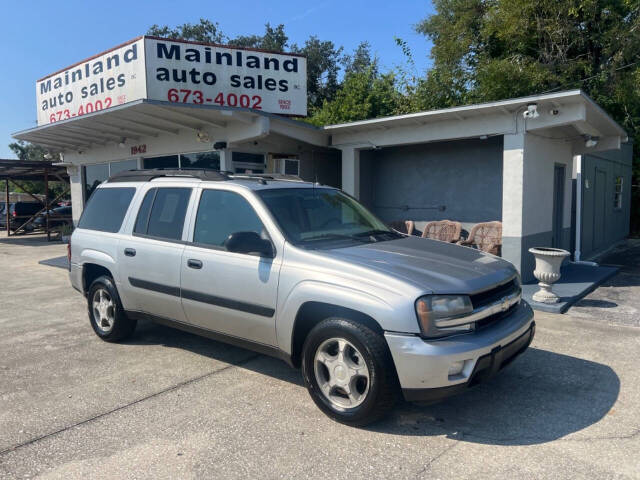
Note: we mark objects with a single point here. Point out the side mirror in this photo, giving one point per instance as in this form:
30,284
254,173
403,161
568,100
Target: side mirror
249,242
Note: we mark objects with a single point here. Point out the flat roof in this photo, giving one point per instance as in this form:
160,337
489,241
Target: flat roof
153,117
14,169
507,106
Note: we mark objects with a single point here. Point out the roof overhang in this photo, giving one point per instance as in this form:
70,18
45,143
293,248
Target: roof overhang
151,118
570,116
31,170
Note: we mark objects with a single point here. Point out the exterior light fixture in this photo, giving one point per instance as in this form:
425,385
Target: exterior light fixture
203,136
531,111
122,142
590,141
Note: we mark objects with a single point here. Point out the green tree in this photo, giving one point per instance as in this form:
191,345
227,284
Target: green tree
362,95
361,60
274,39
486,50
28,151
204,31
323,57
323,66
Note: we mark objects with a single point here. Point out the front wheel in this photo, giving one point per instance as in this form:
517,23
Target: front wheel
348,371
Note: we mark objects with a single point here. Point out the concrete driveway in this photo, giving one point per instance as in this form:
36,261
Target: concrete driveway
167,404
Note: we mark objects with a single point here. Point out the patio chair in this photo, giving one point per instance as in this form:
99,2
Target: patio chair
486,236
443,230
403,226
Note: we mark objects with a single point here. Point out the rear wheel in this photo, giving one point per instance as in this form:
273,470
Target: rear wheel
348,371
106,314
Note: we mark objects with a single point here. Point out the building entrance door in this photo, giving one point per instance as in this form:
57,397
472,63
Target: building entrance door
558,205
599,208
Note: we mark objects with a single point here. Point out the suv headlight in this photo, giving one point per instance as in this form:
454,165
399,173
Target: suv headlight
432,308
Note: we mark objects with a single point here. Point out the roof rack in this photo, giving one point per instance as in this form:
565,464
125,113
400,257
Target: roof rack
200,173
150,174
263,177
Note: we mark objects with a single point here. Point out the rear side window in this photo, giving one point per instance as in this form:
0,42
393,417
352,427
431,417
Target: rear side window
106,209
163,212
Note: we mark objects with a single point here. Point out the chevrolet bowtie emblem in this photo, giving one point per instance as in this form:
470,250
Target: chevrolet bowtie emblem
505,304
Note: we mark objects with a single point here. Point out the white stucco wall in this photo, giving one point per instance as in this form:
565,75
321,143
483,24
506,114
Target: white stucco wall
540,157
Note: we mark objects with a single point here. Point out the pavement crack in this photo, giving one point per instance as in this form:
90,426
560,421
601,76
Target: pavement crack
437,457
130,404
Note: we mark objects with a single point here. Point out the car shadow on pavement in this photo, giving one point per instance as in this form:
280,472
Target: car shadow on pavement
149,333
27,240
540,397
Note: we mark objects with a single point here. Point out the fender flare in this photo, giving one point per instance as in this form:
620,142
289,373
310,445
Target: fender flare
336,295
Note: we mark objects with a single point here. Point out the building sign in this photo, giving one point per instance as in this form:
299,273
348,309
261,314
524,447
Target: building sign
112,78
176,72
211,75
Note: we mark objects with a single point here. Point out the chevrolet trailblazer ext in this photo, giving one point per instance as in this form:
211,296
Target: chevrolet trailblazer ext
302,272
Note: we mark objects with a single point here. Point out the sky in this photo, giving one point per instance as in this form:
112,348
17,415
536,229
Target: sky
41,37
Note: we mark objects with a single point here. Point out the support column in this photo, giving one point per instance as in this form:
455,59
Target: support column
578,162
46,203
513,199
226,164
351,171
8,215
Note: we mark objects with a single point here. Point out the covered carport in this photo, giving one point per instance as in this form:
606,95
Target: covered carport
14,173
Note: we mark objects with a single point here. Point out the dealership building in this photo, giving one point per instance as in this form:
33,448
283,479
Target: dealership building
555,169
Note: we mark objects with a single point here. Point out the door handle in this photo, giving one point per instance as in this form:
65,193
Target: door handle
193,263
130,252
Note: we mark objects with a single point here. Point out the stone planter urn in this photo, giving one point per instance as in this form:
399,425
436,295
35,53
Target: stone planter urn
547,272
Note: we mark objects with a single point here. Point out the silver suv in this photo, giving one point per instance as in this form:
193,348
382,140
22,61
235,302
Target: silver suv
302,272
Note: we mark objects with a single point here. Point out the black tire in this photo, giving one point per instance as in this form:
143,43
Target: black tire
383,386
122,326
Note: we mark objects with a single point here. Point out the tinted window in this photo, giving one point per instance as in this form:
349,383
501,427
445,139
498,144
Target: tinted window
106,209
143,214
169,161
247,157
94,175
200,160
222,213
115,167
168,213
27,208
291,167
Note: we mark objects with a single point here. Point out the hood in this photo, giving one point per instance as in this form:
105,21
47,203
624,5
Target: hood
431,265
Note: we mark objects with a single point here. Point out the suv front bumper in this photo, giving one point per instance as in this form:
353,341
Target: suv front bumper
423,366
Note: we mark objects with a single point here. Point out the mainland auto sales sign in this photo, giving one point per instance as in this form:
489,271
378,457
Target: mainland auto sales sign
178,72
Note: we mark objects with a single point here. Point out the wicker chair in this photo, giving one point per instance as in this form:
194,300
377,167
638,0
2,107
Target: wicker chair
443,230
403,226
485,236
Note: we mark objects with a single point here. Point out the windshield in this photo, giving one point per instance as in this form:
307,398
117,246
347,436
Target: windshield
323,217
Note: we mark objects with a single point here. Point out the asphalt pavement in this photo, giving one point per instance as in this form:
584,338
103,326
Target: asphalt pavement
168,404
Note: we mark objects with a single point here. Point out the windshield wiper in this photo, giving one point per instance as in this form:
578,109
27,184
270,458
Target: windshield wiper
373,233
334,236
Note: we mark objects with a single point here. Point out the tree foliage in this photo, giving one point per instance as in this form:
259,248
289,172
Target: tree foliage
204,31
486,50
323,57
